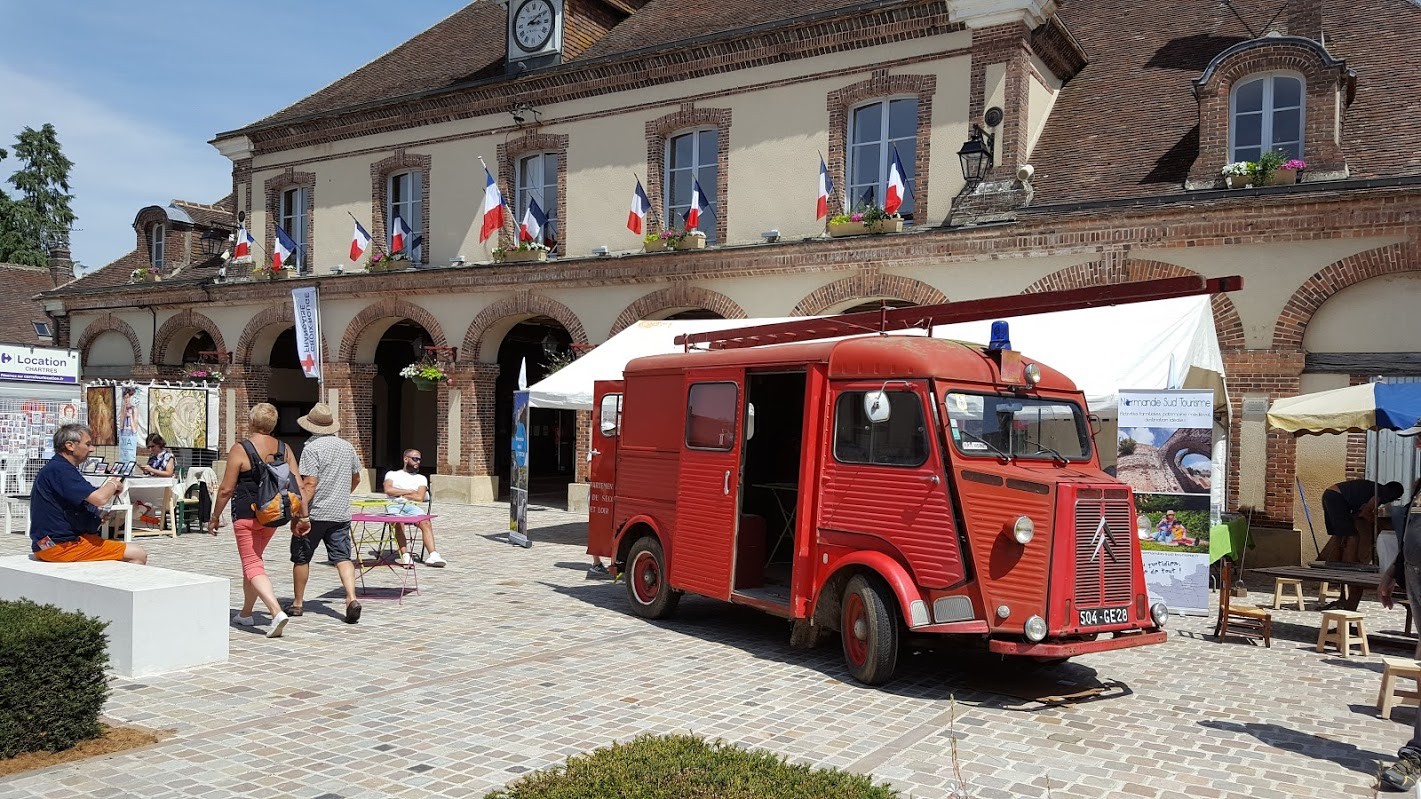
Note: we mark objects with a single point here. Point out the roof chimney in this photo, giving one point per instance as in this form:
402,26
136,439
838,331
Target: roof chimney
61,268
1305,19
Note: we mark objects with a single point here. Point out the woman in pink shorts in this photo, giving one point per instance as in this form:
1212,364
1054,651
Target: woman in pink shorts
239,487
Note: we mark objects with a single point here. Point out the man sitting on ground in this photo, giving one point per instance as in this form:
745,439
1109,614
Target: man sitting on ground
408,489
64,507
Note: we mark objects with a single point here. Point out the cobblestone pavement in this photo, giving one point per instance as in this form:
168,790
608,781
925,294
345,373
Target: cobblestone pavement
509,660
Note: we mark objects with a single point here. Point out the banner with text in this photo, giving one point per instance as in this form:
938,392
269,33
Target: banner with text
518,480
308,329
38,364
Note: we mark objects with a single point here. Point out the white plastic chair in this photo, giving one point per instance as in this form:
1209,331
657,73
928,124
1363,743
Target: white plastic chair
12,486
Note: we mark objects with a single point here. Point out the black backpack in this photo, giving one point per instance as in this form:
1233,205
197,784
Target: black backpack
278,496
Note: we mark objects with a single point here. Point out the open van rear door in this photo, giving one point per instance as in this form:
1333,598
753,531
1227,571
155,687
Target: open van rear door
602,472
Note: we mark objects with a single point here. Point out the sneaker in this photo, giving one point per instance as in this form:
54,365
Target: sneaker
433,559
598,572
277,625
404,560
245,621
1401,775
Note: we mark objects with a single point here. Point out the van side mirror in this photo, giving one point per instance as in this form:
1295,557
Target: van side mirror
875,406
1094,424
749,420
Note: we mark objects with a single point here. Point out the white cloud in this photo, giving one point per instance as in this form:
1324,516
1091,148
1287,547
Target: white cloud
1142,435
122,162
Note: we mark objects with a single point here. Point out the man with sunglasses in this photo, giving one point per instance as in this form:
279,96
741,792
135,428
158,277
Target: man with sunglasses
408,489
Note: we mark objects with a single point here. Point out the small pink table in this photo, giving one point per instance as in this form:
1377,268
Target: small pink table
386,551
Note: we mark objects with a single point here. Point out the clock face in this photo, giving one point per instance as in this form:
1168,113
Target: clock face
533,24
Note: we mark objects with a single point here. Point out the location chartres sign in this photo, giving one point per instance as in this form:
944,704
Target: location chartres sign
38,364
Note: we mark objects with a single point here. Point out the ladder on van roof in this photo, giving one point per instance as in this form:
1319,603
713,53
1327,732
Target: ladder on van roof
926,316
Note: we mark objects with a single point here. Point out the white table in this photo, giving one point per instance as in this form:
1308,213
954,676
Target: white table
154,491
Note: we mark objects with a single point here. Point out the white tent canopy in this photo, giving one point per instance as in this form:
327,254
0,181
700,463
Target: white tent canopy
1158,344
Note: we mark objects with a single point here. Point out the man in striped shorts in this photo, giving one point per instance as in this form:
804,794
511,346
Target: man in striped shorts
330,470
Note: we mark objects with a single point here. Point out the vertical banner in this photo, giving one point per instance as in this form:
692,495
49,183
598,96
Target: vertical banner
308,330
1166,454
132,421
518,477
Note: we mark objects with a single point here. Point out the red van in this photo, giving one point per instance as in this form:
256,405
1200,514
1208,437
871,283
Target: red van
878,486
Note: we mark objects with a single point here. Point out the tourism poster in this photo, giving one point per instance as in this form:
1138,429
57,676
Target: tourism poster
518,479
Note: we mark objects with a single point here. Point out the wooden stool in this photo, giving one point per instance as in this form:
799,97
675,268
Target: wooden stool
1324,593
1337,630
1281,583
1390,696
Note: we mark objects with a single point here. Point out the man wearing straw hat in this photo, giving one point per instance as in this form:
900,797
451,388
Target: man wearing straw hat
330,470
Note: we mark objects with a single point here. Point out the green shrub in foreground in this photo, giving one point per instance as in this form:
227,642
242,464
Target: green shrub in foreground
687,767
52,683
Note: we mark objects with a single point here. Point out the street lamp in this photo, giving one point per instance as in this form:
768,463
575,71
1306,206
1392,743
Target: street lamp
977,153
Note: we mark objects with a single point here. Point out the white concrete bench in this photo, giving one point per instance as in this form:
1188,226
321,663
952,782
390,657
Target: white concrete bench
159,619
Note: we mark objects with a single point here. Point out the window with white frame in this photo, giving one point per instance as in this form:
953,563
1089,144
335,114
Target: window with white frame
405,195
875,131
690,158
293,220
538,180
1266,113
156,236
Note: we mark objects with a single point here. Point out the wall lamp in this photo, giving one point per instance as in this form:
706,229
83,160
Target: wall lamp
979,150
601,252
524,114
770,236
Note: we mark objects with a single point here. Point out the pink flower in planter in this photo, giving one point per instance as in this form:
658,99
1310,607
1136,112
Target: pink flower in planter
1295,163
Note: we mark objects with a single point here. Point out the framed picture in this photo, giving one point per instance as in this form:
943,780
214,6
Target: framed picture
92,465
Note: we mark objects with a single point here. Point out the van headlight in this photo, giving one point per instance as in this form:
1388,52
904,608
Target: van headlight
1035,628
1032,373
1024,530
1159,612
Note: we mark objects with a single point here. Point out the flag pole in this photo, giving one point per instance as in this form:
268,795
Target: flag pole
652,216
373,244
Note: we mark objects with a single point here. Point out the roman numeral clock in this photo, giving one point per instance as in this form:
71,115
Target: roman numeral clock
534,32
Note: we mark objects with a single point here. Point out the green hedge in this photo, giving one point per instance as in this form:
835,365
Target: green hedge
52,683
684,766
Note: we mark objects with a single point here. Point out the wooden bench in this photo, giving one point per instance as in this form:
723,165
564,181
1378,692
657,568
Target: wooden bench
159,619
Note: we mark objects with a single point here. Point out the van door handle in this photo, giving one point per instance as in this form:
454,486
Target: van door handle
595,452
932,479
727,482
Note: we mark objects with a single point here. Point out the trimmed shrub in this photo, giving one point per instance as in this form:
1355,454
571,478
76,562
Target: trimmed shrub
52,683
679,766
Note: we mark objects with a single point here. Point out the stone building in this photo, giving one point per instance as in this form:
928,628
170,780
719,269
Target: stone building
1125,113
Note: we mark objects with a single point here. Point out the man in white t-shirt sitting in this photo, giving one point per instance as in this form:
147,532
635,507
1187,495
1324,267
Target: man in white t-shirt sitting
408,489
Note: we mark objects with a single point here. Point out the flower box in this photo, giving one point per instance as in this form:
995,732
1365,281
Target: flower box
890,225
692,241
523,255
1282,177
148,278
658,245
1239,181
283,274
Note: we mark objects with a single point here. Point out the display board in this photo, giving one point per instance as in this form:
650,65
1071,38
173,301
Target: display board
518,482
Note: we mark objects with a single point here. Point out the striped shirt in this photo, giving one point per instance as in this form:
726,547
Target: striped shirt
332,461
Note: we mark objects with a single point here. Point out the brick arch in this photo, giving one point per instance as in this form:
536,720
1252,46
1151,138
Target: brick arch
176,324
522,304
1331,279
1228,325
105,324
380,172
866,286
385,309
280,316
677,296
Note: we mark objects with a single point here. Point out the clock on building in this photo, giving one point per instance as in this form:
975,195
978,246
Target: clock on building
533,24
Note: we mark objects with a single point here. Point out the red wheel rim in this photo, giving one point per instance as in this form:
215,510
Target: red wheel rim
855,639
646,578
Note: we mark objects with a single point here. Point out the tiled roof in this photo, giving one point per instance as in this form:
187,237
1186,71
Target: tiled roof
117,272
663,22
18,308
1127,125
218,214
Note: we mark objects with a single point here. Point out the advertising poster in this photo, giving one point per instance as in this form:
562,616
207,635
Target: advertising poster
1165,453
518,479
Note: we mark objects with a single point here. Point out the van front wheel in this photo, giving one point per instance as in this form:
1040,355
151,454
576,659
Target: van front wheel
869,631
651,595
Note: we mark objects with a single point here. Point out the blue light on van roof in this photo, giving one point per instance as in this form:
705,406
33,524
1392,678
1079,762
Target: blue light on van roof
1001,337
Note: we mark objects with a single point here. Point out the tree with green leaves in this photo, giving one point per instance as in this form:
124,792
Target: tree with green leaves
40,217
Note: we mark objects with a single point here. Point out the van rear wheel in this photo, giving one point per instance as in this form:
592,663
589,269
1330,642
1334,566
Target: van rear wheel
651,596
869,631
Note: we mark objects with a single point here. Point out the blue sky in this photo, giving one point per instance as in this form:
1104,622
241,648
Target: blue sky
136,90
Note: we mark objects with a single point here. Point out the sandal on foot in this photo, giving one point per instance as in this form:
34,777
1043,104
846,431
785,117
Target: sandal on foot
352,612
293,610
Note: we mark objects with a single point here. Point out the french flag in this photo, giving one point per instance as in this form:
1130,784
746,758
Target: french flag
693,214
399,234
897,185
636,218
284,248
826,188
493,208
359,242
243,248
534,221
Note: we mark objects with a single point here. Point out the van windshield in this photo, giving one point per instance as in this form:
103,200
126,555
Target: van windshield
997,426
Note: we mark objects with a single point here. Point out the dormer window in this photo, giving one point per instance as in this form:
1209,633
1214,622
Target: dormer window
1266,114
156,236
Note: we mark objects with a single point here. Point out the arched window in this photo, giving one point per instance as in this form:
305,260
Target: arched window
405,194
1266,113
538,180
156,236
876,130
295,222
692,157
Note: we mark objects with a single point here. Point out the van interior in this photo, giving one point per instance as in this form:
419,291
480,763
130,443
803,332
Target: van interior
770,486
